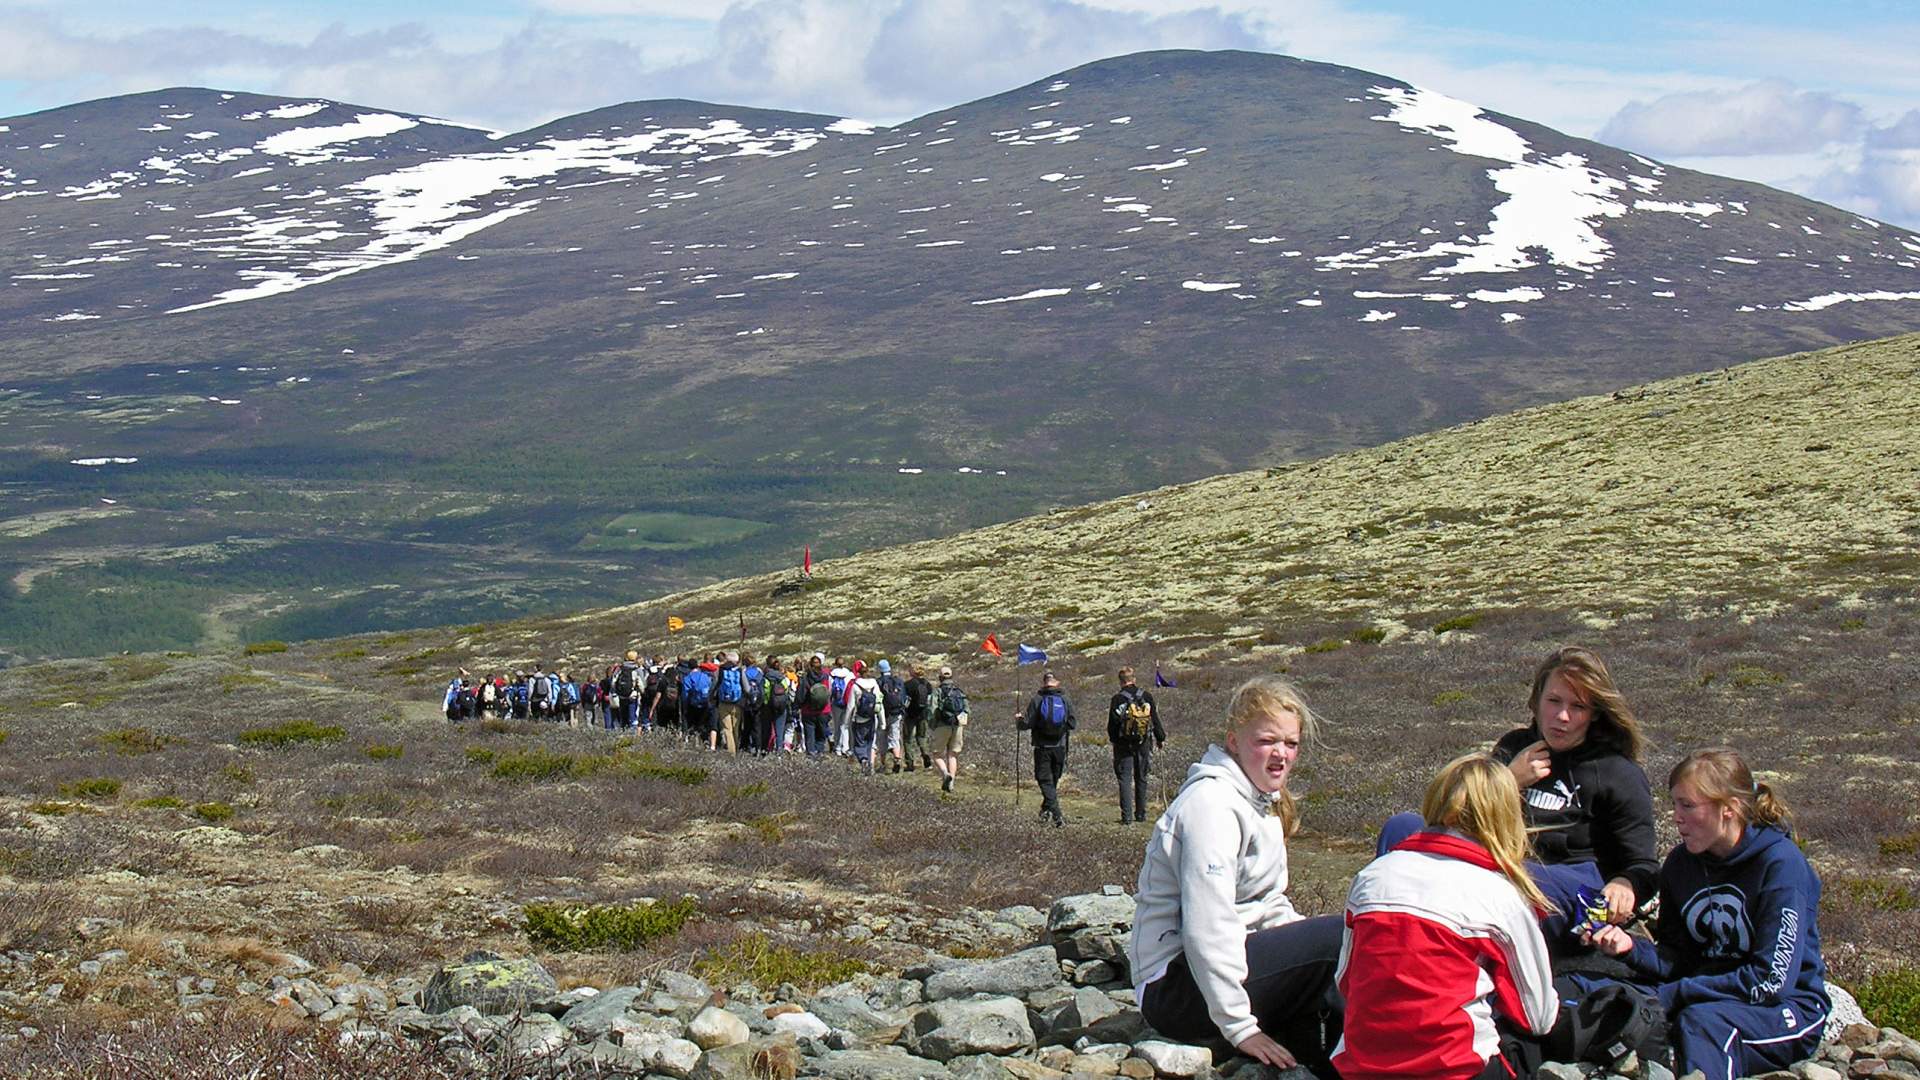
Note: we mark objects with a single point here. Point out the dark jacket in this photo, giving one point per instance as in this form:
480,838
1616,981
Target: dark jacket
1738,929
1594,806
1116,720
919,698
1029,719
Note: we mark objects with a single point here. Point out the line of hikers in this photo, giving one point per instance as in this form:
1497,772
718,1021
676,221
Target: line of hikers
732,702
1491,932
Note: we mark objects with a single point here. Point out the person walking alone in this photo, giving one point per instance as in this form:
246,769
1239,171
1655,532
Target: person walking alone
1134,732
1049,717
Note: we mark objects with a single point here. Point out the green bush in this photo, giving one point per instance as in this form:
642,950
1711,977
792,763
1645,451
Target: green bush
237,773
291,732
240,680
1332,644
53,808
1892,998
354,653
133,741
1905,844
759,961
1458,622
263,648
479,755
213,812
533,765
3,736
384,751
576,927
536,764
98,787
1091,643
1370,635
1451,697
161,802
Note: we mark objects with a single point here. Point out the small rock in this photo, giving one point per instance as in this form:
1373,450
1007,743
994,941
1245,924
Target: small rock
93,927
1560,1070
760,1059
715,1027
885,1063
1863,1067
1070,913
1055,1057
674,1057
1134,1068
1858,1035
979,1067
1174,1059
592,1017
1653,1070
1083,1065
557,1005
1893,1046
628,1026
1091,972
1813,1070
800,1024
684,987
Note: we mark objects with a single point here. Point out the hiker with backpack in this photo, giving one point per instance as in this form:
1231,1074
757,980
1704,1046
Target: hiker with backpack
753,708
1735,956
696,701
866,718
893,695
729,701
1443,939
1134,732
816,708
567,698
628,678
948,732
776,708
838,678
1218,951
518,701
540,693
918,710
590,699
1588,806
1049,718
459,700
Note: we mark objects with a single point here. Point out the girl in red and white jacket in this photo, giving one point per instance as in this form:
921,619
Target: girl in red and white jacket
1443,936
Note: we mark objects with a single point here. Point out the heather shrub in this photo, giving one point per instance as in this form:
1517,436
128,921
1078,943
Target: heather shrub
758,960
292,732
213,813
133,741
264,648
576,928
96,787
1892,998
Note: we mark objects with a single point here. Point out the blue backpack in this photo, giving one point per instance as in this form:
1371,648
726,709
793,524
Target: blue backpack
569,693
1050,719
730,691
695,688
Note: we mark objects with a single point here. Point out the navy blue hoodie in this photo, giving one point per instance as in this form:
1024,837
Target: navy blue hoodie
1738,929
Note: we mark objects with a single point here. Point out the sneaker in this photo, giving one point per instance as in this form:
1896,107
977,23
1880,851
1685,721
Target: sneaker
946,783
1059,819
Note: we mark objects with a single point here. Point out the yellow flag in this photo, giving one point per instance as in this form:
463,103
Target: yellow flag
675,624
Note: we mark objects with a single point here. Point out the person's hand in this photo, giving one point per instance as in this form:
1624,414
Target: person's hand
1620,900
1532,765
1263,1049
1611,940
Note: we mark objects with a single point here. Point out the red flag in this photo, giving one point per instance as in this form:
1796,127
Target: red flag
991,645
806,561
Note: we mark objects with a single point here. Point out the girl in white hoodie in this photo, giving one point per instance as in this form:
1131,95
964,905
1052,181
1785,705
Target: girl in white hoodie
1218,950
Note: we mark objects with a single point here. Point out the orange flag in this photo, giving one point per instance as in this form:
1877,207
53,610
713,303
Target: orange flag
991,645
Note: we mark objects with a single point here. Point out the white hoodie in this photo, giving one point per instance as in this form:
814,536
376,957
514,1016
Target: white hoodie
1216,871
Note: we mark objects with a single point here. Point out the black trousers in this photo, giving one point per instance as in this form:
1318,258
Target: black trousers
1049,762
1289,986
1131,765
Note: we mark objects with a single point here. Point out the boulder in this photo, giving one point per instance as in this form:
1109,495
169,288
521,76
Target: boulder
1814,1070
1019,974
885,1063
716,1027
800,1024
852,1012
662,1054
632,1025
1174,1059
980,1067
537,1037
593,1017
489,982
1070,913
1843,1011
954,1027
1077,1015
1095,972
1107,943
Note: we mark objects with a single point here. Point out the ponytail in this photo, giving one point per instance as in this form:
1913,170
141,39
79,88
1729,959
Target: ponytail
1722,777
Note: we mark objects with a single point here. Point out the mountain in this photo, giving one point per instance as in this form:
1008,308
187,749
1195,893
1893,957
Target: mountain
414,373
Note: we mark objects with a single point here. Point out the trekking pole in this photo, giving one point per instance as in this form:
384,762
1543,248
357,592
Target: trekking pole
1016,744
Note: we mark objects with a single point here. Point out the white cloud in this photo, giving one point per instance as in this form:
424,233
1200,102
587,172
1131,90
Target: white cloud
1771,116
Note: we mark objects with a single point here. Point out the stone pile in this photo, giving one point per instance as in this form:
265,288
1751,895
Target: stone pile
1061,1009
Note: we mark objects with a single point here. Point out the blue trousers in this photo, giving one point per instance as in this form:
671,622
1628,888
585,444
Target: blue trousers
860,735
818,735
1726,1039
1561,882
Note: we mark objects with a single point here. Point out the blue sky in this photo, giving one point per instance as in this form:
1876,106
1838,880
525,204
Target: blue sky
1822,99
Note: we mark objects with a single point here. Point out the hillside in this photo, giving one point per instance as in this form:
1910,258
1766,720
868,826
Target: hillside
1754,487
284,368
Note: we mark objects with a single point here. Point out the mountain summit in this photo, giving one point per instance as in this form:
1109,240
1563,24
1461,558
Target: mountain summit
431,344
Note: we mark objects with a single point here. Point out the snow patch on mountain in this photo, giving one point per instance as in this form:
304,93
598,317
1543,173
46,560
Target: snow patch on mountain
1821,303
309,145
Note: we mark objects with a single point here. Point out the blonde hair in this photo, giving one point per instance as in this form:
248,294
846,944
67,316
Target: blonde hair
1478,796
1722,777
1264,697
1613,722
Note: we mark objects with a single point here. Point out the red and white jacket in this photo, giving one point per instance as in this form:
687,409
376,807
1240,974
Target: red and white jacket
1438,942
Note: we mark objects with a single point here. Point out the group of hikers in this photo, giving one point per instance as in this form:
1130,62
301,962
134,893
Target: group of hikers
1492,931
872,716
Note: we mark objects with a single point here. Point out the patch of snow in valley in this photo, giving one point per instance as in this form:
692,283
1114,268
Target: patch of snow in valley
1209,286
1036,294
1177,163
1695,209
1525,294
96,462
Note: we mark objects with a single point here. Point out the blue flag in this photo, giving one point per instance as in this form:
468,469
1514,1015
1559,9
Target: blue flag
1160,680
1031,655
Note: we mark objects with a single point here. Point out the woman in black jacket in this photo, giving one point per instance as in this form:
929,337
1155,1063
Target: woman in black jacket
1586,799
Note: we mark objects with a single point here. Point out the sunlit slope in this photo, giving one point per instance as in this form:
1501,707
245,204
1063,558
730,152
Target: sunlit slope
1755,485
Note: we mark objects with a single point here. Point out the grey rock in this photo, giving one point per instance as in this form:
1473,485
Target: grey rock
800,1025
631,1025
1021,973
1112,890
1814,1070
488,982
1080,1014
536,1037
979,1067
954,1027
854,1013
593,1017
1092,972
716,1027
557,1005
1126,1026
759,1059
1023,916
366,997
684,987
1893,1046
331,1016
1094,943
1843,1011
1070,913
1559,1070
885,1063
672,1057
411,1020
931,966
1174,1059
608,1056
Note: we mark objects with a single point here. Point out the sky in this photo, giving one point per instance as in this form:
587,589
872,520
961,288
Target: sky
1821,99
